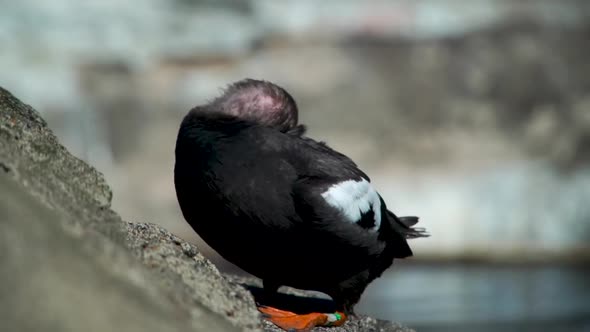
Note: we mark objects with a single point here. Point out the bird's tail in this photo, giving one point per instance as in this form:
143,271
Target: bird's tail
405,226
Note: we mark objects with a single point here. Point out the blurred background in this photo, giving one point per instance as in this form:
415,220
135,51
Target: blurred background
473,115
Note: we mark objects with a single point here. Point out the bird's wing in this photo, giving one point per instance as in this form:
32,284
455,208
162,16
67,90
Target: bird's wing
347,189
333,197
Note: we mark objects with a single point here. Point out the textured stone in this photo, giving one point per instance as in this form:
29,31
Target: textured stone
180,266
56,278
65,264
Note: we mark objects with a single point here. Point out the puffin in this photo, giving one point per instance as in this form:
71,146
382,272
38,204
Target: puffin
282,206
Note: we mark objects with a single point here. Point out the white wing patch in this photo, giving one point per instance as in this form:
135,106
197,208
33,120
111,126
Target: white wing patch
353,198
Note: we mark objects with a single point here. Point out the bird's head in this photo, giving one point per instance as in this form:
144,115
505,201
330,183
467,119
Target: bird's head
258,101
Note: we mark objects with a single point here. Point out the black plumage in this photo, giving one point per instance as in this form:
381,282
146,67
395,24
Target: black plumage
256,189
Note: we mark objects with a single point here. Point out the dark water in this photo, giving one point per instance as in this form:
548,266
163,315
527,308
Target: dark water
482,298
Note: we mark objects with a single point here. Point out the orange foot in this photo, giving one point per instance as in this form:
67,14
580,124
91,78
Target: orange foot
290,321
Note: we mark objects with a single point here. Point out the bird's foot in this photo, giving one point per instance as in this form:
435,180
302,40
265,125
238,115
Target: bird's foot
290,321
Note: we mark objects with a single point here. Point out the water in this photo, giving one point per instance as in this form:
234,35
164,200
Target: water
482,298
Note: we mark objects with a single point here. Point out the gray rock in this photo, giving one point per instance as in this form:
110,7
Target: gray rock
69,263
190,276
65,266
55,278
31,154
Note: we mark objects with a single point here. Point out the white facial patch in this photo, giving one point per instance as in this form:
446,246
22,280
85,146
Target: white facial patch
354,198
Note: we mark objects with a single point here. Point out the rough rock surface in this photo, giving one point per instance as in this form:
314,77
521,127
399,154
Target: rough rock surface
69,263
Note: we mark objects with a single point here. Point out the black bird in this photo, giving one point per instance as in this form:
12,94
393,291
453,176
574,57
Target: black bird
282,206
